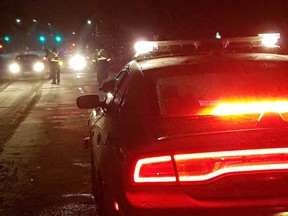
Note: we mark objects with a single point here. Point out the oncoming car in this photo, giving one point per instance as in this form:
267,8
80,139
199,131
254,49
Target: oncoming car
26,65
185,130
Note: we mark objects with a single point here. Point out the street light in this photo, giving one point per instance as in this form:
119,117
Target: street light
18,21
89,22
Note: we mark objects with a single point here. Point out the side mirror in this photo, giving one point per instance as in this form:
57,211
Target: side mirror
88,102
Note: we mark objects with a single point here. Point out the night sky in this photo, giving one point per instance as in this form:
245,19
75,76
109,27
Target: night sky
170,19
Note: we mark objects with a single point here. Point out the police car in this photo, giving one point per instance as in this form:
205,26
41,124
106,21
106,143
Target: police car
193,128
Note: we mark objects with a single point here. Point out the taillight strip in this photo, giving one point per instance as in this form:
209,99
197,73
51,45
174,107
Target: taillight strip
230,162
197,167
235,153
250,168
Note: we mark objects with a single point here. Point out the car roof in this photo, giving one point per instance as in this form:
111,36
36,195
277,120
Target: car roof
160,54
171,61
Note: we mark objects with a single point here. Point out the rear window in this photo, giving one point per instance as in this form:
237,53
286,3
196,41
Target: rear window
198,89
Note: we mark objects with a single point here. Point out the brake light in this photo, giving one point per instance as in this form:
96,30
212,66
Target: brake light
197,167
155,169
206,166
246,107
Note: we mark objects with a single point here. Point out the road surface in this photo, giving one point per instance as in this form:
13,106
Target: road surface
44,168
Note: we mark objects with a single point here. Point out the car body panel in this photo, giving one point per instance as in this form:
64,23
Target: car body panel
127,128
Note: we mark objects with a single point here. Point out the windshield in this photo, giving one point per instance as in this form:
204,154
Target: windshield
25,58
200,89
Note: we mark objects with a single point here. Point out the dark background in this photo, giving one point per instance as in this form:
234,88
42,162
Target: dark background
133,19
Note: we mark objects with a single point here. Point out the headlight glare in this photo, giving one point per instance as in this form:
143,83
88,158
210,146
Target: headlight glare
38,67
77,62
14,68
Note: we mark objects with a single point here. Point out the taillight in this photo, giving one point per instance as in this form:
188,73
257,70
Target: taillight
154,169
197,167
206,166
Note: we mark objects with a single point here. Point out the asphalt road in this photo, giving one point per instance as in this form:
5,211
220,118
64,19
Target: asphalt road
44,168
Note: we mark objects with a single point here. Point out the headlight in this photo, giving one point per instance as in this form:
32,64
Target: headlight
78,62
38,67
14,68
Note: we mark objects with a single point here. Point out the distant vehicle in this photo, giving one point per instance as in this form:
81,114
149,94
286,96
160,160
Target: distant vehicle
27,65
186,129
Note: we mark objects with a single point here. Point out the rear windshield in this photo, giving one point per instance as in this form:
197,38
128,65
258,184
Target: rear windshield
198,89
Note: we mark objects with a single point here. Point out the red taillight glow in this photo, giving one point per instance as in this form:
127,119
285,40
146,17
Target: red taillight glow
219,163
198,167
156,169
225,109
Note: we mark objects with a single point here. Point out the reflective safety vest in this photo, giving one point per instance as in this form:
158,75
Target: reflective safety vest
55,58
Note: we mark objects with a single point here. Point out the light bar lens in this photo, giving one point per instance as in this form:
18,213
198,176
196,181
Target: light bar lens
270,40
143,47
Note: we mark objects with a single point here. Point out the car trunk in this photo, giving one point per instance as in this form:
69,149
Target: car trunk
264,150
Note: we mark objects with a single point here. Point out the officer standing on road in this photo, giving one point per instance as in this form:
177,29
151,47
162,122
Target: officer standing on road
55,66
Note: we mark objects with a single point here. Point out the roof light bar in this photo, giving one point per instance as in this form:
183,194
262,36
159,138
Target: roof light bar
262,40
270,40
143,47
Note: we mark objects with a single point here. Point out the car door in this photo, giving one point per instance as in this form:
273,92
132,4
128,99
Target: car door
103,129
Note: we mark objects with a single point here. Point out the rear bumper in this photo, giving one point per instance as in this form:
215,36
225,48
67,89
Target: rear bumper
177,200
180,204
257,193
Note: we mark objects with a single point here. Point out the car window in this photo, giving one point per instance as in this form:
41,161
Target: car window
189,90
121,92
116,96
27,58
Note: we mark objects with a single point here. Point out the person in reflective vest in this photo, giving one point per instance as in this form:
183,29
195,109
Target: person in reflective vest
55,66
